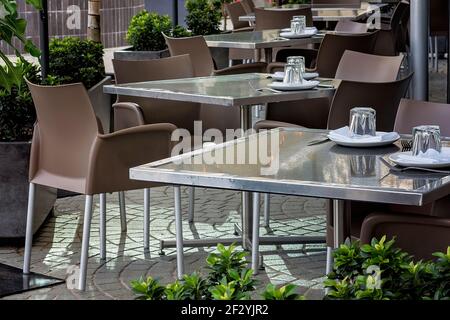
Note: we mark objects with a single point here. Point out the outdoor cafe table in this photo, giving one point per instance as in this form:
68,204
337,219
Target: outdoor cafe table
228,91
294,168
267,40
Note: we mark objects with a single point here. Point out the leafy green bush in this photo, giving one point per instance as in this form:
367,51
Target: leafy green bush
146,29
17,113
74,60
228,279
380,271
203,17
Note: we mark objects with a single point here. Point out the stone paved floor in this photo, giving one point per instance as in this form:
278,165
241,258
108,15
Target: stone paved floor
56,248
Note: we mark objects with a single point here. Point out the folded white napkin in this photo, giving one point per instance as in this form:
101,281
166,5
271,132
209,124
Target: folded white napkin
429,157
344,134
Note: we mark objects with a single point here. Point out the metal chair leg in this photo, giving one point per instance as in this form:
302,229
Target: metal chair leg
103,226
85,243
329,266
146,219
123,212
267,210
179,232
436,52
255,237
29,230
191,207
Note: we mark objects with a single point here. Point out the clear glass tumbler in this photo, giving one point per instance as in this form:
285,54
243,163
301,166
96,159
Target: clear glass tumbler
363,121
426,138
292,74
302,23
298,60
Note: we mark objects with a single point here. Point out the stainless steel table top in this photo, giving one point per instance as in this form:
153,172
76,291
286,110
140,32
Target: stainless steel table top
324,170
256,40
228,90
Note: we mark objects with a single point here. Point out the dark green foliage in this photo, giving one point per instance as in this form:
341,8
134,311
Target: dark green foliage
74,60
203,16
228,279
380,271
17,113
146,29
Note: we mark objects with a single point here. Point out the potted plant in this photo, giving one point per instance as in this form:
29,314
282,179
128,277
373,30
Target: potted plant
75,60
145,35
17,117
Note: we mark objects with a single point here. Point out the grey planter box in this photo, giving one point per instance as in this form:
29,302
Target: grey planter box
102,103
14,163
129,54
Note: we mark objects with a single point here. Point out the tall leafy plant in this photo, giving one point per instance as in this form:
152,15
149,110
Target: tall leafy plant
13,27
203,16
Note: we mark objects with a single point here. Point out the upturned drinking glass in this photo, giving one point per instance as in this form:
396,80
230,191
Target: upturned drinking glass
296,27
298,60
292,74
426,138
302,20
363,121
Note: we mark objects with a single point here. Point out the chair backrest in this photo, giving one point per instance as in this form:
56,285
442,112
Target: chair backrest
249,6
384,97
336,3
196,47
66,130
235,10
334,45
357,66
412,113
266,19
181,114
349,26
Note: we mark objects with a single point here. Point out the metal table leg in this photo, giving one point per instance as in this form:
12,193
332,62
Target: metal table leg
268,55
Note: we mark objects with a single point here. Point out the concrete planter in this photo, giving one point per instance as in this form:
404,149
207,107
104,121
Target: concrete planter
14,162
129,54
102,103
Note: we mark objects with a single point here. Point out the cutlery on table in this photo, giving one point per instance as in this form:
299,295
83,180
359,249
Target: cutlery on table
402,169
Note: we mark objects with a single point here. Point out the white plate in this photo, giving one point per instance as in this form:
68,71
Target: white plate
306,34
364,144
396,158
290,87
307,28
279,75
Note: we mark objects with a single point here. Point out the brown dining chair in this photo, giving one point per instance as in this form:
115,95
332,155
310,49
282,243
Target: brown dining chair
69,152
331,50
354,66
135,111
235,10
202,60
349,26
267,19
249,6
392,38
439,20
420,236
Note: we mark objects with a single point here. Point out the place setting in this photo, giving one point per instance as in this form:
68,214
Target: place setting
294,76
298,29
361,132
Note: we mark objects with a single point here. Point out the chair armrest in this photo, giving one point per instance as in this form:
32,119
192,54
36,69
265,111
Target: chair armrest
244,29
258,67
112,155
275,66
127,115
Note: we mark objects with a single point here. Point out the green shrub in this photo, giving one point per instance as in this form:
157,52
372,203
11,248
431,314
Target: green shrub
228,279
203,17
17,113
146,29
286,292
74,60
380,271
